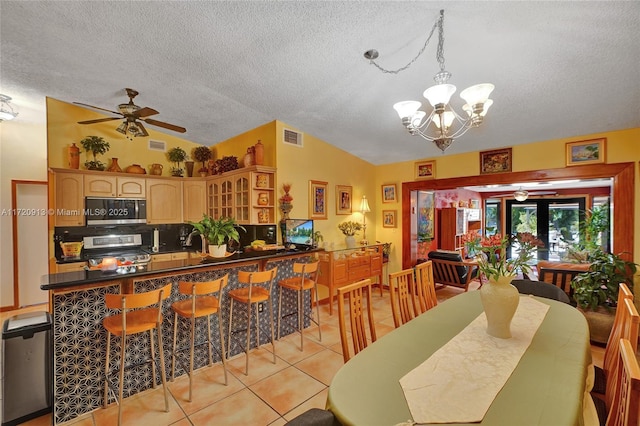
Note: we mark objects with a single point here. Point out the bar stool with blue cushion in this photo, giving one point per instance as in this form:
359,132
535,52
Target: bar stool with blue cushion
201,303
139,312
257,289
305,280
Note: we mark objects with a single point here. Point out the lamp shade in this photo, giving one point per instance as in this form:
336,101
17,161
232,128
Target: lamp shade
364,205
466,108
521,195
477,94
439,94
407,108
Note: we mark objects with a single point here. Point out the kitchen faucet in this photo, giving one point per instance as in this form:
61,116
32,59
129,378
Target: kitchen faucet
188,241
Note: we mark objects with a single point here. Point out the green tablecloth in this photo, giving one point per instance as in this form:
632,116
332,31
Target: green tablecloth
546,388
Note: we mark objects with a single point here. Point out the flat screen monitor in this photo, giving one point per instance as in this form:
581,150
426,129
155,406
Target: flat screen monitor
299,232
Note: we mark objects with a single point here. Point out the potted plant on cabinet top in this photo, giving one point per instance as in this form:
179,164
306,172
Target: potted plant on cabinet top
202,154
596,291
177,155
217,233
97,146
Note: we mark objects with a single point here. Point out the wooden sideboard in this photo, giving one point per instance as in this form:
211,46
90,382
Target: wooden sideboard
344,266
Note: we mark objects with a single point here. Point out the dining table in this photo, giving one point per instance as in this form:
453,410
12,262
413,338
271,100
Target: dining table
546,386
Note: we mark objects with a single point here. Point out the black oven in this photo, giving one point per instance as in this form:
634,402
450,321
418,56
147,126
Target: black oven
115,211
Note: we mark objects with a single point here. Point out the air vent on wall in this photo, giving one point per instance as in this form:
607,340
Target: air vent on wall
292,137
157,145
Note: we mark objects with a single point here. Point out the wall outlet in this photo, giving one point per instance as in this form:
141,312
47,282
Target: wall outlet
260,307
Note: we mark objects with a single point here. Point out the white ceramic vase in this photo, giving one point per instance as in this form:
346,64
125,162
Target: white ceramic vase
500,300
217,251
351,241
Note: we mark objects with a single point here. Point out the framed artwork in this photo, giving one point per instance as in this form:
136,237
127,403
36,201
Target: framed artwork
389,193
426,169
426,215
496,161
592,151
343,199
389,219
317,199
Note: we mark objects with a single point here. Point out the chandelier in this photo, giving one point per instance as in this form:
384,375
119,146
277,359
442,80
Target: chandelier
6,110
443,120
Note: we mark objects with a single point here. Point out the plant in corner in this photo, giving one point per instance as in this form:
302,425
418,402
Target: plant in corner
596,290
177,155
202,154
217,233
97,146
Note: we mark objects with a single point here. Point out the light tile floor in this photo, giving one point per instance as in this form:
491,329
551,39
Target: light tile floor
271,394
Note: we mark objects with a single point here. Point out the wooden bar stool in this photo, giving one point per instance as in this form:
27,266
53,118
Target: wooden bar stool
137,314
201,304
257,290
306,280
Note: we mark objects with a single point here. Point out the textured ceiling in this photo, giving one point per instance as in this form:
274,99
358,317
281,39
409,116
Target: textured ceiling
560,68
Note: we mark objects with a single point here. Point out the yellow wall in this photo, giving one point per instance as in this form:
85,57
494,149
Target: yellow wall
238,145
63,130
622,146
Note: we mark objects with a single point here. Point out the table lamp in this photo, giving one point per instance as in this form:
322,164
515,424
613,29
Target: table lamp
364,209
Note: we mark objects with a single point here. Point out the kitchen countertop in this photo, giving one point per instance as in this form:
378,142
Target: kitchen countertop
77,278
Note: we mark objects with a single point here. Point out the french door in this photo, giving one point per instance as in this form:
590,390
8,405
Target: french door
556,222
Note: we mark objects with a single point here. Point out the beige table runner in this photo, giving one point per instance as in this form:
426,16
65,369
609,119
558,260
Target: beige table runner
458,383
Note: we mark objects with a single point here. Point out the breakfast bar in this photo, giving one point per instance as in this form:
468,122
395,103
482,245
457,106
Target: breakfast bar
79,339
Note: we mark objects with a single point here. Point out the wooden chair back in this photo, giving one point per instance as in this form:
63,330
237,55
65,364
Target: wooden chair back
356,294
611,350
404,297
129,305
426,286
307,275
202,300
629,331
447,272
625,408
560,278
261,280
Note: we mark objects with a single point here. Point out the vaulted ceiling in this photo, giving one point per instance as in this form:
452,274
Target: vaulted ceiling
560,68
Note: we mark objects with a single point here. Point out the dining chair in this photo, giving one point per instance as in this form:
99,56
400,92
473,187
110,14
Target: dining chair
612,347
138,313
403,296
257,289
625,407
629,331
356,294
426,286
542,289
200,304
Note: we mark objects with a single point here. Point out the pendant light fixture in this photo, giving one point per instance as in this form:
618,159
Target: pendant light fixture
521,194
443,120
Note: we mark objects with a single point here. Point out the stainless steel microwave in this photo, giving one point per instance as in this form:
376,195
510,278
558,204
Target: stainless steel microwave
115,211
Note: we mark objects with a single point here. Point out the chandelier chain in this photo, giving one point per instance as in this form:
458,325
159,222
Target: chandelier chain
439,54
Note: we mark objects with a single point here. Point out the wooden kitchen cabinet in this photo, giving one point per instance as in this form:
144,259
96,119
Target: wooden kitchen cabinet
70,267
453,223
194,200
345,266
68,199
104,185
164,201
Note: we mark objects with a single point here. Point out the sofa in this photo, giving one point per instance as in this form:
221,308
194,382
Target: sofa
450,269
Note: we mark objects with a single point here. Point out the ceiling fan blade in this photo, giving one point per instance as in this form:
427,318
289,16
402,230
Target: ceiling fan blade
165,125
143,131
99,120
95,107
145,112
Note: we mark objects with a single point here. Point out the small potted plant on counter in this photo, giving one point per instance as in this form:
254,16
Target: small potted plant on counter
177,155
97,146
217,233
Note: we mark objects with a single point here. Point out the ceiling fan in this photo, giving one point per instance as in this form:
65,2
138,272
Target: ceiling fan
133,116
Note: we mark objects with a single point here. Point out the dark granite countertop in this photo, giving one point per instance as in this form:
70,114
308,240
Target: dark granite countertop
76,278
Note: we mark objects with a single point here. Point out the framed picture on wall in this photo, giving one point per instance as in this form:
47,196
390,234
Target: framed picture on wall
586,152
496,161
389,193
343,199
317,199
389,219
426,170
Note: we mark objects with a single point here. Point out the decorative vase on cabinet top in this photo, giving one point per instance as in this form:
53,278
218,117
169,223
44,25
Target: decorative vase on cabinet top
137,169
74,156
350,240
156,169
114,167
500,300
259,153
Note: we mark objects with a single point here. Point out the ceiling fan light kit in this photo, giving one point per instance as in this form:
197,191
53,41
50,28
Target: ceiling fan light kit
442,116
133,116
